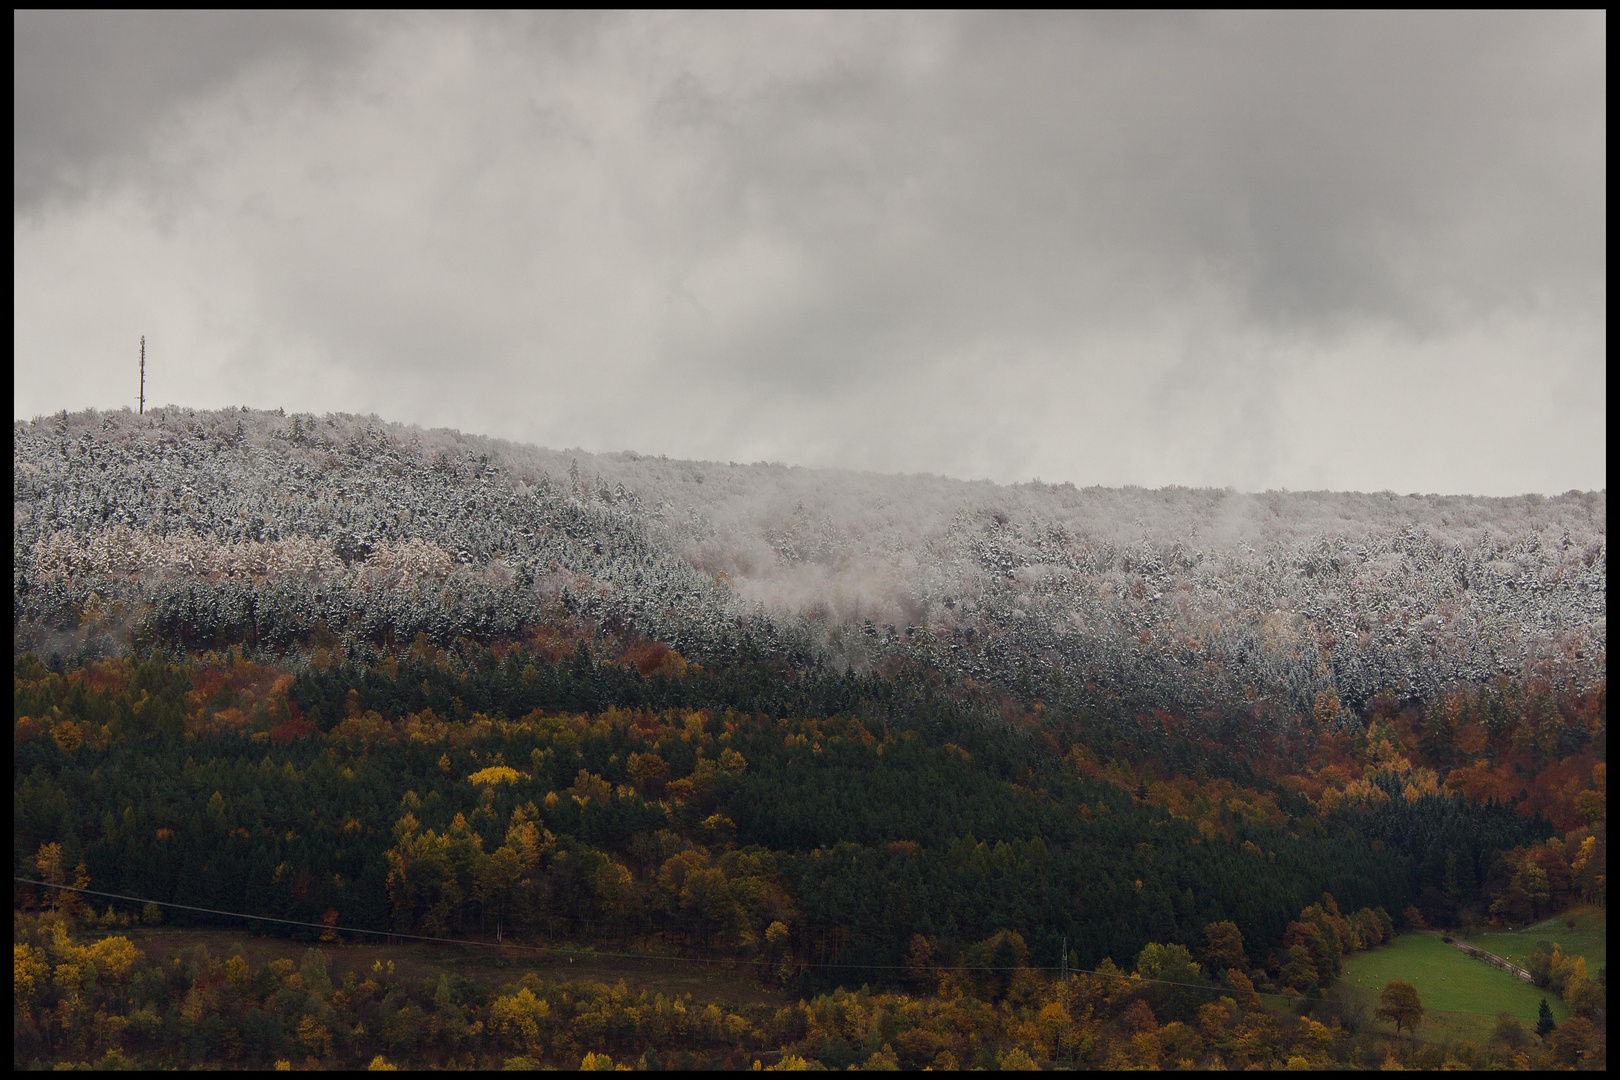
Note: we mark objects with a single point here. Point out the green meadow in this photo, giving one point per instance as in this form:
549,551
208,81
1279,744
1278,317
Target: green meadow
1588,938
1461,995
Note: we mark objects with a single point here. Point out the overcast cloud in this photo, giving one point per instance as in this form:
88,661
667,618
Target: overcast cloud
1305,251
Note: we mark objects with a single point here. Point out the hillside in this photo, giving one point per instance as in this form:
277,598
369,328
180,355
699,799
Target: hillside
829,729
260,526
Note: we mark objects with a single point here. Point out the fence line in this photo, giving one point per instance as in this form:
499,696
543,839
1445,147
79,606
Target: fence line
1494,960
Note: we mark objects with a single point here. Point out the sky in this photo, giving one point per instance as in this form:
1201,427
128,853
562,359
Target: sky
1304,251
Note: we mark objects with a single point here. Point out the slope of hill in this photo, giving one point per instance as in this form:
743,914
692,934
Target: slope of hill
261,526
1010,779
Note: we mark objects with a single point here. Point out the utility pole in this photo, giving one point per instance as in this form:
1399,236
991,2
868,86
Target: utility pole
143,375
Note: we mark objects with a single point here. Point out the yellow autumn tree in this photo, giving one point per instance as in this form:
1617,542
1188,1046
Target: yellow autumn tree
515,1019
497,774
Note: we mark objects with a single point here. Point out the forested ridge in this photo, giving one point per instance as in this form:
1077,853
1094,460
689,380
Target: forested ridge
349,675
213,528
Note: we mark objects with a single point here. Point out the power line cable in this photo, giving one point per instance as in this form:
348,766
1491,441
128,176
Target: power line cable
573,954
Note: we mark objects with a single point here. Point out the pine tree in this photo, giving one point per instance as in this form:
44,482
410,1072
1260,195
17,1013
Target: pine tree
1544,1020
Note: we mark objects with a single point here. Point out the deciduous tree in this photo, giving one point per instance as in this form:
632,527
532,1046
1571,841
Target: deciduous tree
1223,947
1400,1005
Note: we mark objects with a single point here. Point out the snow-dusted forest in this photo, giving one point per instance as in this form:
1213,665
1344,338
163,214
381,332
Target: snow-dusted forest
195,526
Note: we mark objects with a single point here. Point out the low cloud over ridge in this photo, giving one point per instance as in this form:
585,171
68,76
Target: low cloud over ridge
1340,251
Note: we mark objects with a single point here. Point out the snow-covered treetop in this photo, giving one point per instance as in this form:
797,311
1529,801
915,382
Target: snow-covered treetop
1300,590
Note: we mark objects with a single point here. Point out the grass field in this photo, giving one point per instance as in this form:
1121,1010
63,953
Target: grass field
1461,995
1589,938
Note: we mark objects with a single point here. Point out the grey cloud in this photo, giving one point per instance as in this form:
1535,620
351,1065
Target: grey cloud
92,88
1100,248
1327,169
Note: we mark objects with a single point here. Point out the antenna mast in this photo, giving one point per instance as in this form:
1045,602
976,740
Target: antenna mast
143,374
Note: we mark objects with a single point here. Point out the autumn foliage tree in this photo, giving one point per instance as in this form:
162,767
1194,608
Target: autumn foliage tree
1399,1004
1223,947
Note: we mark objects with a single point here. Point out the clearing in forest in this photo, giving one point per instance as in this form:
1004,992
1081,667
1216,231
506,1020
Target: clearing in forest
1461,995
1588,938
420,960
